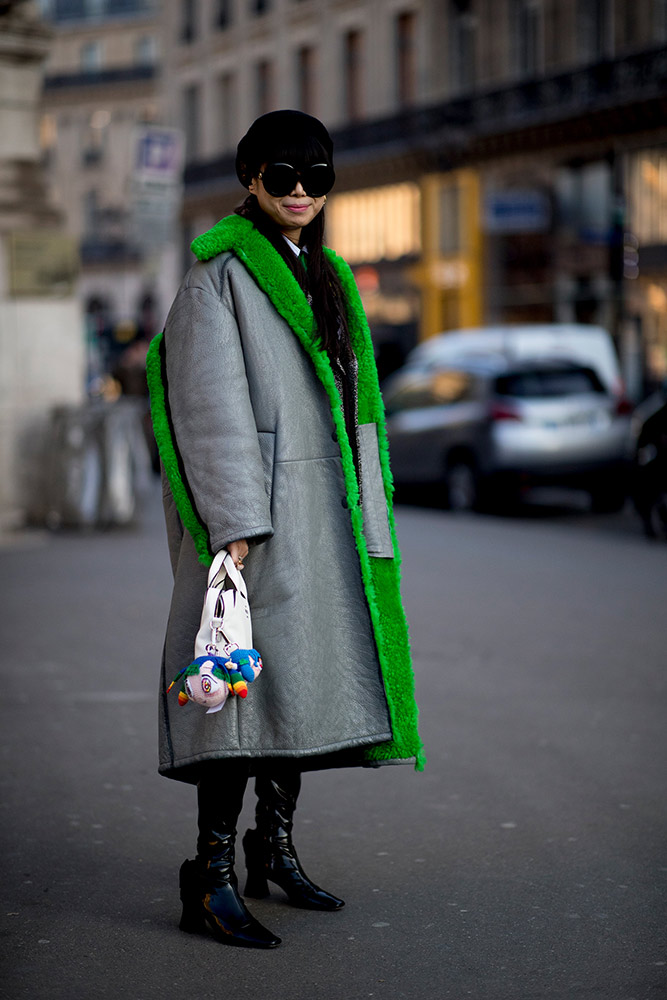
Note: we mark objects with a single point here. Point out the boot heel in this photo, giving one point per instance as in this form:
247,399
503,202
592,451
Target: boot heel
193,919
256,885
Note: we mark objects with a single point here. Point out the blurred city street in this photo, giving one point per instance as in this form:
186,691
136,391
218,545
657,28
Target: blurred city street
500,198
527,861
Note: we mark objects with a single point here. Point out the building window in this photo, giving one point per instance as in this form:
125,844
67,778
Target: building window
406,61
191,121
647,196
629,26
48,138
305,79
526,37
145,51
463,48
90,212
660,20
223,14
48,132
553,40
353,74
188,27
263,76
593,29
67,10
227,110
90,57
376,224
583,201
94,138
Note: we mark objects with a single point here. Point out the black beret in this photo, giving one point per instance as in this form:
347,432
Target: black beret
273,129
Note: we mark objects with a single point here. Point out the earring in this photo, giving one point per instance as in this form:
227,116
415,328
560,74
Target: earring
325,199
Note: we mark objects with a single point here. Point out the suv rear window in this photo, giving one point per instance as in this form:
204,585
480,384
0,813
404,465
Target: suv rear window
421,389
539,383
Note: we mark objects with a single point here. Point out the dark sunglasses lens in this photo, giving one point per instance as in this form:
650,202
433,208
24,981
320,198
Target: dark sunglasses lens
279,179
318,179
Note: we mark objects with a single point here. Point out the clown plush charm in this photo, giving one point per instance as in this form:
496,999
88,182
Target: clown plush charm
208,680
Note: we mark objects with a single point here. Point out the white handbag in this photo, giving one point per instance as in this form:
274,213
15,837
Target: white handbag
224,659
225,620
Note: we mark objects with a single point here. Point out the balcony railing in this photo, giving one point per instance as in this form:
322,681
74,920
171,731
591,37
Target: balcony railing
66,11
450,129
101,77
610,84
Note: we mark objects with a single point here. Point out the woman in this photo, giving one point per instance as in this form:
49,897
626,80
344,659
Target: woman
269,421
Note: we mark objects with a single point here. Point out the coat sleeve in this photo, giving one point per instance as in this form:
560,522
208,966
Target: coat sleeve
212,417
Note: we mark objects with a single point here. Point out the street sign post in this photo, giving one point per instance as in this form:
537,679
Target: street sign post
156,182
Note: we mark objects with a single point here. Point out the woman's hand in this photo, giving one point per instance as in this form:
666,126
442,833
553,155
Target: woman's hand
238,551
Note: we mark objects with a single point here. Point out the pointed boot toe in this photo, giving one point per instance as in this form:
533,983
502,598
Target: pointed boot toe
275,860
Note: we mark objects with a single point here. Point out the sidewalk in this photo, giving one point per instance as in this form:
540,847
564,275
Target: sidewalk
525,863
93,836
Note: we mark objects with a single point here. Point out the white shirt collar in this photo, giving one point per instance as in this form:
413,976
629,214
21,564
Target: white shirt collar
296,250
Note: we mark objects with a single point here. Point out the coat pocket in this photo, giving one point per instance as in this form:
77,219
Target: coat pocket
376,517
267,447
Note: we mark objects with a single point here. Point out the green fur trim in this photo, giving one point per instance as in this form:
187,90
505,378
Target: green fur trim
387,611
380,577
166,446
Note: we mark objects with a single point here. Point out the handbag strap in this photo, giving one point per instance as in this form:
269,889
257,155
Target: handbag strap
223,566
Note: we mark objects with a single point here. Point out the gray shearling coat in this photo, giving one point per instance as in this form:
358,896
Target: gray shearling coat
251,444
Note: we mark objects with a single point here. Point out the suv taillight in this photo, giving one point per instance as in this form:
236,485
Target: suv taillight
623,407
503,411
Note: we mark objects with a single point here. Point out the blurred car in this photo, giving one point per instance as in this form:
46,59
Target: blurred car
579,342
486,427
649,466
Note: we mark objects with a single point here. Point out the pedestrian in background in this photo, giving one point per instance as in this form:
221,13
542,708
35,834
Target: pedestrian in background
270,425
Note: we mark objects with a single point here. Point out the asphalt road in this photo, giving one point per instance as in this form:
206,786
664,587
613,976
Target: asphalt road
527,862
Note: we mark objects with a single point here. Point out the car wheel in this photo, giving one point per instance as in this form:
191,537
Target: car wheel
655,521
461,485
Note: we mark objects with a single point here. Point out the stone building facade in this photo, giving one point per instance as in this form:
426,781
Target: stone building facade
497,160
41,330
102,90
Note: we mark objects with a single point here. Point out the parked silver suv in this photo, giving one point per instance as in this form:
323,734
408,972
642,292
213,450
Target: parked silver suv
487,428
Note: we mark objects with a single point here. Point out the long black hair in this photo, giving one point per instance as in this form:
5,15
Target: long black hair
318,279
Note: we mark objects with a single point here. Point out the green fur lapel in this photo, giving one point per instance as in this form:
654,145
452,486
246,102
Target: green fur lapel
380,576
155,374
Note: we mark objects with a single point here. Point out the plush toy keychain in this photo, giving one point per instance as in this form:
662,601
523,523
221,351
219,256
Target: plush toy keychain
246,665
209,679
226,664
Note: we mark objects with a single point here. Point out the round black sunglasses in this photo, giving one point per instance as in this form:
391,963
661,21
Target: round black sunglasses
280,179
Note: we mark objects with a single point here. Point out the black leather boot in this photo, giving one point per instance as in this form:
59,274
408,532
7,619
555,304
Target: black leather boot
209,887
269,851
